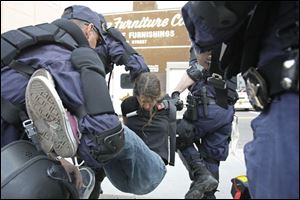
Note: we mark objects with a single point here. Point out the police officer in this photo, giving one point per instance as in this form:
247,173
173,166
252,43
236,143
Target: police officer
79,80
204,120
263,43
114,50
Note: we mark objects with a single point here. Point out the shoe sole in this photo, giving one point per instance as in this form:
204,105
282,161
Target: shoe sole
44,73
49,116
45,137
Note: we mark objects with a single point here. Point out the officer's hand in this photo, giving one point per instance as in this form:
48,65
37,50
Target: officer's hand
177,102
73,171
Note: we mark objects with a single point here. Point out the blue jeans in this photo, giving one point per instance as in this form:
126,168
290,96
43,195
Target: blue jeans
272,157
136,169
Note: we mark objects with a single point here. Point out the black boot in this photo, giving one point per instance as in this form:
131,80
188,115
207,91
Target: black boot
203,181
211,194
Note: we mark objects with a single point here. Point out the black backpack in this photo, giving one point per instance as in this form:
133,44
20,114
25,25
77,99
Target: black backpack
29,174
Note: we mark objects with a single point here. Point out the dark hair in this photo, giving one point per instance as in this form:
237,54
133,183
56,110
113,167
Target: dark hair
148,85
147,89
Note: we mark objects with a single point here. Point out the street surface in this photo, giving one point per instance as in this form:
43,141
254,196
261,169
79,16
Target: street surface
176,182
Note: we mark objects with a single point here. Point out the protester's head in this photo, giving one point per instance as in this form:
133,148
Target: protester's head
148,93
147,90
88,20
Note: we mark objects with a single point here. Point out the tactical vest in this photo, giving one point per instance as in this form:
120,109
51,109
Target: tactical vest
158,131
69,35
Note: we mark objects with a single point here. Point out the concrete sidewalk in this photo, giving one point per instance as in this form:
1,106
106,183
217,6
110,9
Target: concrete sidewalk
176,182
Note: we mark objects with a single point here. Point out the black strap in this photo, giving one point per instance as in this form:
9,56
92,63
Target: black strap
109,79
15,114
55,172
71,188
172,132
22,67
231,59
209,102
192,54
73,30
215,62
221,93
80,112
10,112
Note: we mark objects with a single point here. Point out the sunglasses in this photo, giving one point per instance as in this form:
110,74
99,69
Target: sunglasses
96,31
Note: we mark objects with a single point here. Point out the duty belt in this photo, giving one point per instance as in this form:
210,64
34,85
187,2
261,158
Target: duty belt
194,101
210,100
276,77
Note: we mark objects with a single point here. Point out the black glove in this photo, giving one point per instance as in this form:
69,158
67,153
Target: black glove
185,131
129,105
176,99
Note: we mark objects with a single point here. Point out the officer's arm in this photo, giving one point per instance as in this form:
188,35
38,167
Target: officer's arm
136,65
189,76
133,62
184,83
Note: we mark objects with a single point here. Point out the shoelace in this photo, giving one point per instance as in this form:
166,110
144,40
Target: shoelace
75,162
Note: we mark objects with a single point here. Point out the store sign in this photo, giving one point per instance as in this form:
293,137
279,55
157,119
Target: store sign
151,28
153,68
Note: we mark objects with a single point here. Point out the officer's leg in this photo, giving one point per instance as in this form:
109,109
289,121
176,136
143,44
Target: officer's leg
99,176
213,149
272,157
202,179
213,166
